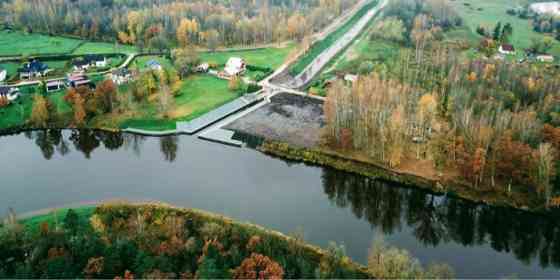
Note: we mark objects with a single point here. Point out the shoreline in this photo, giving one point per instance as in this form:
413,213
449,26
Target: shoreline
334,160
44,215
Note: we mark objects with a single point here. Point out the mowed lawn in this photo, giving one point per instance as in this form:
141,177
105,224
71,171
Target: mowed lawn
18,43
18,113
140,61
199,94
267,57
104,48
488,13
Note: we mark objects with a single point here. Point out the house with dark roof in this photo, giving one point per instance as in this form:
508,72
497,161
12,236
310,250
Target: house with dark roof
506,49
33,69
11,93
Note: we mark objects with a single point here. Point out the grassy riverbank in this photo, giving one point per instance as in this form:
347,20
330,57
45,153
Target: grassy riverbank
349,163
318,47
159,241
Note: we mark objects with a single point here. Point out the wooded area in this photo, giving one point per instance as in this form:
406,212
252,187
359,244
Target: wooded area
167,23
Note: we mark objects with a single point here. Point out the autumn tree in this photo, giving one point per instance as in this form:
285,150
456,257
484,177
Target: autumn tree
40,111
258,266
106,95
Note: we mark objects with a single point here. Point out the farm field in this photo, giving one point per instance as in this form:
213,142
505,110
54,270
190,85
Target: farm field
14,43
199,95
488,13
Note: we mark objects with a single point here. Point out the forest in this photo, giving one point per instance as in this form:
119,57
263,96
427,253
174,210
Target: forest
167,24
491,124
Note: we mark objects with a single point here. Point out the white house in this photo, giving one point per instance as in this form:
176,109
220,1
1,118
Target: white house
545,58
506,49
3,74
33,69
552,8
351,78
121,76
235,66
90,60
202,68
11,93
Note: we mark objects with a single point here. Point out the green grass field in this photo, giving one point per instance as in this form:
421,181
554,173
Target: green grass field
488,13
324,44
103,48
18,43
140,62
199,95
267,57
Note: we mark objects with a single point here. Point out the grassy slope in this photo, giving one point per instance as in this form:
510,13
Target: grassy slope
494,11
101,47
199,95
19,43
18,113
324,44
267,57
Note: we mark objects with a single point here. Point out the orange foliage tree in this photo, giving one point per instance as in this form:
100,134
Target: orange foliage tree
258,266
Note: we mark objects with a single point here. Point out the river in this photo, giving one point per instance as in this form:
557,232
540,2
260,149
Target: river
59,168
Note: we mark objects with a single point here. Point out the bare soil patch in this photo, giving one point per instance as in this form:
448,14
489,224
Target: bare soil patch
288,118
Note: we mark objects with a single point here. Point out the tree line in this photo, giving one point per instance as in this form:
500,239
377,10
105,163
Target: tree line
171,23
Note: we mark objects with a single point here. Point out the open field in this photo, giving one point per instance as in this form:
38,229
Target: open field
104,48
140,61
320,46
288,118
199,95
267,57
488,13
13,43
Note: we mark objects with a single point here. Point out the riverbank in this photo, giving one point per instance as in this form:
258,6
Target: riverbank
164,241
343,162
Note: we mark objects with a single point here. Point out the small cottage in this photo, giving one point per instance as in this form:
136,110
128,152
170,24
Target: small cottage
33,69
154,65
11,93
78,80
235,66
506,49
351,78
202,68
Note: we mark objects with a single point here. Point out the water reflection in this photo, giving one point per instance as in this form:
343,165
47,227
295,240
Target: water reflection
435,219
53,141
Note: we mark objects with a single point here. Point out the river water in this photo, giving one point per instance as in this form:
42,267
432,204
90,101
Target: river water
59,168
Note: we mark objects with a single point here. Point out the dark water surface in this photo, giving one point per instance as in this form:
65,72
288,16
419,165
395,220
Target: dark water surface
50,169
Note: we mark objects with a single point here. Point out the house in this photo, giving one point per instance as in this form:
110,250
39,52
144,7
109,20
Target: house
78,80
121,76
551,8
506,49
154,65
3,74
11,93
202,68
54,85
33,69
90,60
235,66
544,58
351,78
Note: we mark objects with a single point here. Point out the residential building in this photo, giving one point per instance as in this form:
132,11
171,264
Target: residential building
33,69
121,76
11,93
506,49
235,66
